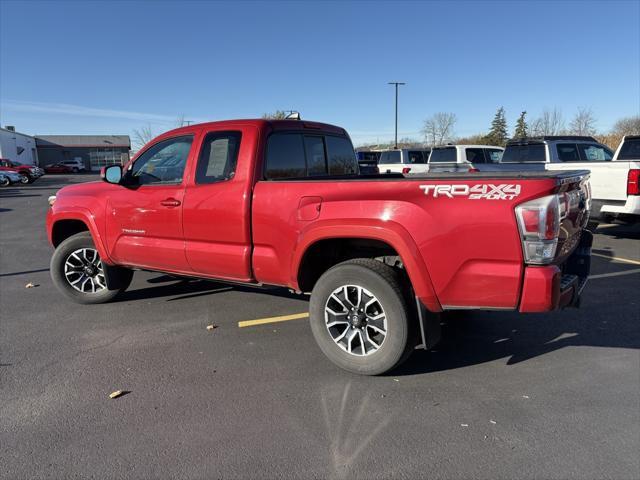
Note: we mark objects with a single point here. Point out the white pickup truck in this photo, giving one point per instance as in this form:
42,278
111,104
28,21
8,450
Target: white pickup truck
614,177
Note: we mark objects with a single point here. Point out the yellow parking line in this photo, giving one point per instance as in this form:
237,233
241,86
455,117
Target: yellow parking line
626,260
262,321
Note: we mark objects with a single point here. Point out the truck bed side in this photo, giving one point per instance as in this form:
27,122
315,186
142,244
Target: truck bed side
468,249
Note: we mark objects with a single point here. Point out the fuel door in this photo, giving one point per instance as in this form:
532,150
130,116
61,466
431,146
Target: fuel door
309,208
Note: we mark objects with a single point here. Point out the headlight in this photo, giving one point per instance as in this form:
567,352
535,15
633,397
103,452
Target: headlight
33,170
51,200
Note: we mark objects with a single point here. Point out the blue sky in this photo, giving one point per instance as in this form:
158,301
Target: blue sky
110,67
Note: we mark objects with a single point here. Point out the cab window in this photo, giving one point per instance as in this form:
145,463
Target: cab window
594,153
568,152
493,155
417,157
342,160
285,156
630,149
218,157
163,163
392,156
475,155
443,155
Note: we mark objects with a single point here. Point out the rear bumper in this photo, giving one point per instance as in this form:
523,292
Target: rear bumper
617,208
553,287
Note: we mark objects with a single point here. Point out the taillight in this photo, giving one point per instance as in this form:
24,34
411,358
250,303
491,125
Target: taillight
406,169
633,179
539,224
473,170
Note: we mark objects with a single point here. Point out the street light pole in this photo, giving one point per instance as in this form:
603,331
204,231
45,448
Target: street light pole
396,84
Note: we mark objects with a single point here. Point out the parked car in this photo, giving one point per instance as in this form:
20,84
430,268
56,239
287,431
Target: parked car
30,173
463,158
614,177
377,255
404,160
9,178
58,168
76,165
368,161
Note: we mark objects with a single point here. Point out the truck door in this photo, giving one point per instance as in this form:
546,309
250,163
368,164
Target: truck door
144,214
217,205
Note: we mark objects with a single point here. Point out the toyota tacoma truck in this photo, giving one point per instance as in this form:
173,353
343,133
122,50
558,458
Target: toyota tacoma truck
281,202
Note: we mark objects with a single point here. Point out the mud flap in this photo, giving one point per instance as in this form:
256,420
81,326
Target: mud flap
430,329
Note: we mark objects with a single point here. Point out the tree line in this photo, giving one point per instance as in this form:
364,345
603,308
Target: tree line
439,128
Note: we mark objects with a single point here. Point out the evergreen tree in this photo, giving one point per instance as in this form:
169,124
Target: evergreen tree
522,129
498,134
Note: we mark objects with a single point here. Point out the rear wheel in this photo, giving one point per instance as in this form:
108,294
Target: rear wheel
24,178
4,181
360,318
78,272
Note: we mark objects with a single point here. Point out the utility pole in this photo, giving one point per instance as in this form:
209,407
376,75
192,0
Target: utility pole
396,84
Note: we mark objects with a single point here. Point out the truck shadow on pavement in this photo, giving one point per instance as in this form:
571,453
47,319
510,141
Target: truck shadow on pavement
480,337
185,288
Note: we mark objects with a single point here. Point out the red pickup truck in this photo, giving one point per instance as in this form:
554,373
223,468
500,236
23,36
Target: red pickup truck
281,202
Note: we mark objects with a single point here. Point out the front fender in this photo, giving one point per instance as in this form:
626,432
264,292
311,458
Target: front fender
389,232
81,214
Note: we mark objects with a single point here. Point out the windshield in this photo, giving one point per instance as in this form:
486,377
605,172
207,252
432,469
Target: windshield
524,153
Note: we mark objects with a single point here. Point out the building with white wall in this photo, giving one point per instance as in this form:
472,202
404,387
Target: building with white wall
18,147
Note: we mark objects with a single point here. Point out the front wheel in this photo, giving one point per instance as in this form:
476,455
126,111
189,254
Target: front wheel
24,178
78,272
360,318
4,181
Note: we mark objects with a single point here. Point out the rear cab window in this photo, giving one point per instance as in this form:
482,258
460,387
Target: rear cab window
296,155
630,149
532,152
443,155
392,156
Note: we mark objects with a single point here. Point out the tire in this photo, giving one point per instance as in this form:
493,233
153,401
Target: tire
376,281
25,179
5,182
100,284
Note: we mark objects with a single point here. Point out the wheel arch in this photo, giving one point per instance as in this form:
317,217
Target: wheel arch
67,224
323,247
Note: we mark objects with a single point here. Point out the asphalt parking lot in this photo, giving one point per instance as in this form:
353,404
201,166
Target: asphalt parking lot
502,396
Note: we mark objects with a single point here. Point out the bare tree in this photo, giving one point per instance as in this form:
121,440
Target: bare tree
583,123
277,115
549,123
142,136
438,129
627,126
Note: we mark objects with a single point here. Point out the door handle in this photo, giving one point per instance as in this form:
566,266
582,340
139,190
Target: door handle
170,202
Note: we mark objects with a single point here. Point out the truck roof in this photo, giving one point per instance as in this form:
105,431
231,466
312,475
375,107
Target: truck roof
544,138
262,122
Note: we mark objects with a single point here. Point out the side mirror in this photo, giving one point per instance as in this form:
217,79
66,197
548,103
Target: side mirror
111,174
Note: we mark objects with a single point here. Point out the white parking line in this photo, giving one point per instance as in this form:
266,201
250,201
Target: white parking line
614,274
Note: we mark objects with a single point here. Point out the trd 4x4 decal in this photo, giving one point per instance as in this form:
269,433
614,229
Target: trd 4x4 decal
487,191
